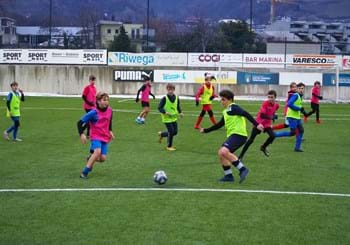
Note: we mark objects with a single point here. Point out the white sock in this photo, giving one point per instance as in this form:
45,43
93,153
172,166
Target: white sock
228,171
240,165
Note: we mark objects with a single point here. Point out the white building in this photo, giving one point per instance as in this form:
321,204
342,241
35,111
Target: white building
8,37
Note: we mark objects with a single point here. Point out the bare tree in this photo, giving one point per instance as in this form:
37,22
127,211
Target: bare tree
88,18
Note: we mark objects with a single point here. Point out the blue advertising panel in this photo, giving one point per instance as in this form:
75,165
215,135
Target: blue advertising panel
328,79
257,78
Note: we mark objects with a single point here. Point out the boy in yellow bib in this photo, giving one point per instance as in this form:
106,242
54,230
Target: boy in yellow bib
13,102
234,121
170,109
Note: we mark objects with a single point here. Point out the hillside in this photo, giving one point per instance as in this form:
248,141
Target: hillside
68,12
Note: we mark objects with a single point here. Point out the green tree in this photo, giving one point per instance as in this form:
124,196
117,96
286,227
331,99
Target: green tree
121,43
240,38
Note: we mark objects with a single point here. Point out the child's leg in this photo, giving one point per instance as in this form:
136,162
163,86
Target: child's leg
226,154
90,163
104,150
271,137
211,117
15,126
299,136
251,139
145,112
172,131
317,112
99,154
199,119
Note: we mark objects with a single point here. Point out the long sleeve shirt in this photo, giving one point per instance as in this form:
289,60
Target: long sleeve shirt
232,111
172,99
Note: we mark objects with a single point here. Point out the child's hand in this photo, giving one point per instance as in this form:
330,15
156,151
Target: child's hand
260,127
112,135
83,138
181,115
20,90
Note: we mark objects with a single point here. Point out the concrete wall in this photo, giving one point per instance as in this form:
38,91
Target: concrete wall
70,80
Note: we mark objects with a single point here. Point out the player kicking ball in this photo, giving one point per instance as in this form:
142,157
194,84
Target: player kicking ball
234,121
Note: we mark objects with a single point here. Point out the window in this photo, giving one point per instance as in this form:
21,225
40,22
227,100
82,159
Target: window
116,31
109,31
3,22
138,33
133,34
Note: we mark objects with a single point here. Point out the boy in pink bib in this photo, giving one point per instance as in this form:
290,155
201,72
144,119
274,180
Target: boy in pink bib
100,122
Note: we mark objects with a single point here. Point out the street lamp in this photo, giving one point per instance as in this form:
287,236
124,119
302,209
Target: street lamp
50,24
147,33
251,15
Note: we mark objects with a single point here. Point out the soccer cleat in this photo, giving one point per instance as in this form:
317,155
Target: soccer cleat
227,178
160,137
318,121
83,176
298,150
243,174
17,140
265,151
171,148
138,121
6,135
305,119
197,127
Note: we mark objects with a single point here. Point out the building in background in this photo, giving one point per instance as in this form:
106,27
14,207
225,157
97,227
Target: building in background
287,36
106,30
8,37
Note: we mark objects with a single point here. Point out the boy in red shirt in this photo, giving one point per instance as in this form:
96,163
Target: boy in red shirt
292,90
315,102
89,98
266,114
207,93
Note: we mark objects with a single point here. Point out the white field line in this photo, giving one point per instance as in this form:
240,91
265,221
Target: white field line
301,193
191,113
187,113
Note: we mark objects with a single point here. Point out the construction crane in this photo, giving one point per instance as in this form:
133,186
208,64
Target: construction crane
273,6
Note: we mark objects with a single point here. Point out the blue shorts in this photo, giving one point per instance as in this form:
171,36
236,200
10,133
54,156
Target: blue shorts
294,123
96,144
234,142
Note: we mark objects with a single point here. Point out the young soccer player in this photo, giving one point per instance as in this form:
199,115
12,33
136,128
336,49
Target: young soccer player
13,103
295,108
292,90
206,93
100,120
266,114
315,102
89,98
169,107
145,91
234,120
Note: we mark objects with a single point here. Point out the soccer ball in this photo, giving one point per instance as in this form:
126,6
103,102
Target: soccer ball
160,177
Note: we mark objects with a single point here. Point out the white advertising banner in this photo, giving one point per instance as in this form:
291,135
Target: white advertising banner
147,59
184,76
346,62
311,60
263,60
308,78
12,56
54,56
215,60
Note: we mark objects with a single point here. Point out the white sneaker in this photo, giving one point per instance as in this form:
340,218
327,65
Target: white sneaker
6,135
18,140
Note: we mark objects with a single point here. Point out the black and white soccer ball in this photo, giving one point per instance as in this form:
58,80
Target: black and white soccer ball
160,177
